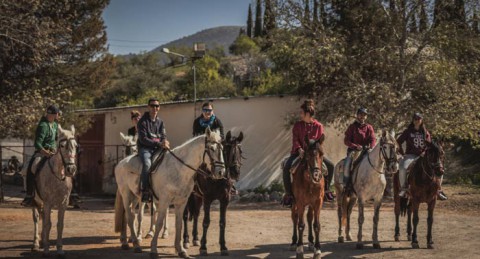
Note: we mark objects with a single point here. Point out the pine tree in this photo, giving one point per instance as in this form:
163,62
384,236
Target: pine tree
269,23
249,21
258,20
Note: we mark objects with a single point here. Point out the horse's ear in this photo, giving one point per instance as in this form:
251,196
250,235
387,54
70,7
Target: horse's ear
392,133
240,137
208,131
73,129
321,139
229,136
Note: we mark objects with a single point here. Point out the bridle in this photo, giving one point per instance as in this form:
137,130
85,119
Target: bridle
234,157
432,166
389,159
208,152
317,167
64,143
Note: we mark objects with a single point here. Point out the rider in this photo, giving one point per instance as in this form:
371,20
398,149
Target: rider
151,136
359,137
415,137
45,146
207,119
135,117
307,126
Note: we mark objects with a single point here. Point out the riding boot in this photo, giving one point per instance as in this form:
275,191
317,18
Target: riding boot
328,179
440,194
29,200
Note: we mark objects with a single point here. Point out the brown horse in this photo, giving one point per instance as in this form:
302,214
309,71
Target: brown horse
207,190
308,189
424,183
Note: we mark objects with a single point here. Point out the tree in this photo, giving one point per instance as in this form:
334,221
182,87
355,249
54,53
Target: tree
258,20
249,21
242,45
315,17
269,23
423,19
51,52
413,23
306,13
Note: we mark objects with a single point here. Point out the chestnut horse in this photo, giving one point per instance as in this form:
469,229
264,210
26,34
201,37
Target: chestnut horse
308,189
424,183
207,190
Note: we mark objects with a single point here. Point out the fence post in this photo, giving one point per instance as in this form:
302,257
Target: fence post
2,199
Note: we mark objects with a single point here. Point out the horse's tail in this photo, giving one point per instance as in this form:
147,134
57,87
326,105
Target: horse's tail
120,222
403,206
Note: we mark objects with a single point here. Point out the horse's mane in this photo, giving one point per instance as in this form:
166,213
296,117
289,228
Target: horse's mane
186,143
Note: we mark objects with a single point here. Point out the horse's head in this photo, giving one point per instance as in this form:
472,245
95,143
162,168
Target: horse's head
314,157
68,147
214,151
233,154
129,141
388,149
435,157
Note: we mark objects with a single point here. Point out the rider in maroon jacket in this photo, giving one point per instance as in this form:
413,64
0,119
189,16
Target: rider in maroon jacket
358,137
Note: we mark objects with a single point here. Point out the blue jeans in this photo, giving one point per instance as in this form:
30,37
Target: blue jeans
146,158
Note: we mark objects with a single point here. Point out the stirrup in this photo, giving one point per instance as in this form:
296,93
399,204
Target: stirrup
28,201
287,201
441,195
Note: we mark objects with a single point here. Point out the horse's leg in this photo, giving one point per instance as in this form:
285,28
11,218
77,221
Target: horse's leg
351,203
162,213
409,221
36,237
195,230
153,214
46,226
129,205
206,224
223,224
165,224
415,206
361,218
141,209
301,227
186,241
397,217
431,207
60,220
317,252
179,209
293,246
340,221
376,218
310,228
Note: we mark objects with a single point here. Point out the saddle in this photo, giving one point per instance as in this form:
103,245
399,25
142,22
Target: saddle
37,164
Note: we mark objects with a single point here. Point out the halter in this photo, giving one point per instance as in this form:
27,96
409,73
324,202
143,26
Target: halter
233,159
431,166
65,164
208,150
310,169
383,155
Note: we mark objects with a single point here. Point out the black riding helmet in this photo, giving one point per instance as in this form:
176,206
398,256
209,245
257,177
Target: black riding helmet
362,110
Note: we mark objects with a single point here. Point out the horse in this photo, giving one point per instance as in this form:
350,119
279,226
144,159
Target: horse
127,175
308,187
208,190
53,187
368,183
130,143
424,183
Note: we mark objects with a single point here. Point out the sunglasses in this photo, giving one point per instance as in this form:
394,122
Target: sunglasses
154,105
207,110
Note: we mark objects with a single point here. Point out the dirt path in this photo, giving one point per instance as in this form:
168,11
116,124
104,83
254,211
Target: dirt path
254,231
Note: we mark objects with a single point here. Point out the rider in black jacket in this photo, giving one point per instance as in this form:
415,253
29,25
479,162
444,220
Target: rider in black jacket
207,119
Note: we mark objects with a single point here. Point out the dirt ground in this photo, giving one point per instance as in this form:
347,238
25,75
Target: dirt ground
261,230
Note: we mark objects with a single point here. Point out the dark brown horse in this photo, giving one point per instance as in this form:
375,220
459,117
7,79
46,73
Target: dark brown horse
207,190
308,189
424,183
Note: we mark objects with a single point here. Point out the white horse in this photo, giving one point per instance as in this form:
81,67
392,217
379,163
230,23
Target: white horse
130,142
53,187
173,180
127,175
368,183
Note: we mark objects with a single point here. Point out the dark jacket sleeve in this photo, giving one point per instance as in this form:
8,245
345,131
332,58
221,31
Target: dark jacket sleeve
196,126
143,138
220,127
402,138
163,131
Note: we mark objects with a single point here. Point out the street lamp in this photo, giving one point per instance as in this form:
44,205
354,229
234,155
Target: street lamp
199,50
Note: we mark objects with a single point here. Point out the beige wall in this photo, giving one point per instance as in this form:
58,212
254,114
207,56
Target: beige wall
262,120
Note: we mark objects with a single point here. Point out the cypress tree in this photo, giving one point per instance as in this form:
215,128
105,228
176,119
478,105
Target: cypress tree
258,20
249,21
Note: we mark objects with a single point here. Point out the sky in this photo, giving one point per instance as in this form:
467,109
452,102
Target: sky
142,25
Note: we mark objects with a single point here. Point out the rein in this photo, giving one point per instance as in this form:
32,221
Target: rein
383,157
64,164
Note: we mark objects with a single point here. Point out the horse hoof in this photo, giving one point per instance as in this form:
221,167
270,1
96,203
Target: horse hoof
184,255
299,256
130,240
224,253
203,252
125,247
359,246
186,245
415,246
311,247
430,246
137,250
409,238
349,238
165,236
341,240
196,243
376,246
35,248
397,238
148,236
293,247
